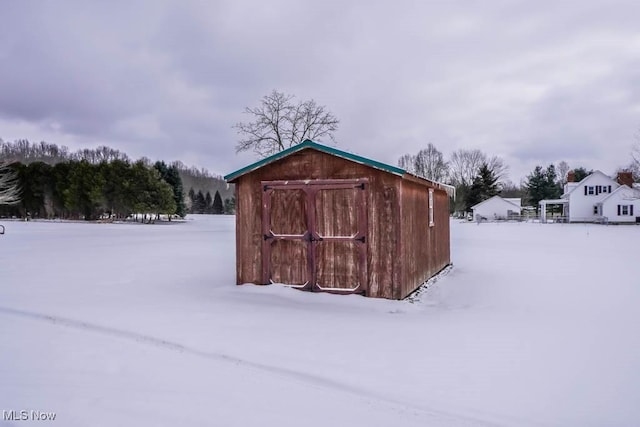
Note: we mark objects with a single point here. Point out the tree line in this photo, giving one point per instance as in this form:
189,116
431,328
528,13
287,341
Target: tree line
48,181
107,190
200,203
24,151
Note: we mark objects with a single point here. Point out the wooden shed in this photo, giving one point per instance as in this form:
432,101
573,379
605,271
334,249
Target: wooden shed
322,219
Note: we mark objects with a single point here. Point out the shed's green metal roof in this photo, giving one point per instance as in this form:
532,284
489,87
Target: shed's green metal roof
319,147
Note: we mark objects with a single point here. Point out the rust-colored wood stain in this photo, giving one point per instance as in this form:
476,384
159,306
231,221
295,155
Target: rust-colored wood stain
326,223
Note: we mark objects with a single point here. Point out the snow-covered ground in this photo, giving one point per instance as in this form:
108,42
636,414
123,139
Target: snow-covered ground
130,325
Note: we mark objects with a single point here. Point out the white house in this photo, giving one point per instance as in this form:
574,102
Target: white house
596,199
621,206
496,208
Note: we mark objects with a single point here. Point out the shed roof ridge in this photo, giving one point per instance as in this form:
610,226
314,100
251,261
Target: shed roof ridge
307,143
634,191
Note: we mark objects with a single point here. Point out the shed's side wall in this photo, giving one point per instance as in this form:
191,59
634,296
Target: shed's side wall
425,249
383,236
248,231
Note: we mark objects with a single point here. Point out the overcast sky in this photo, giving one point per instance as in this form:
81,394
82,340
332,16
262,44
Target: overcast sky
534,82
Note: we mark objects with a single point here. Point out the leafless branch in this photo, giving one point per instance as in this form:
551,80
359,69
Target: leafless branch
562,169
278,123
428,163
465,164
9,189
635,160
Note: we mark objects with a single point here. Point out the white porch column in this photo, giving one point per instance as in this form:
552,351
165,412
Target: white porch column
543,211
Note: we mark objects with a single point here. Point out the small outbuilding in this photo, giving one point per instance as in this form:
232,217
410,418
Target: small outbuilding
497,208
321,219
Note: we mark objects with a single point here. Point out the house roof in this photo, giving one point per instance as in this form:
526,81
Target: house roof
308,144
635,191
491,198
587,178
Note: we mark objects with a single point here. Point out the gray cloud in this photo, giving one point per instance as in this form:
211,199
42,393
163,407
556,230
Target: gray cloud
532,82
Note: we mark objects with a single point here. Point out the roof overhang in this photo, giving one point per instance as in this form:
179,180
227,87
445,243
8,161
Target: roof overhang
318,147
554,202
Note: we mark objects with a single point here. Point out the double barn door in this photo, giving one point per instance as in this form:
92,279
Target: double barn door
315,234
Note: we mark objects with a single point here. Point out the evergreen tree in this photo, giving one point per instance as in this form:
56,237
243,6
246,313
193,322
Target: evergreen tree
199,205
60,176
140,189
541,185
192,200
171,176
483,187
218,207
85,195
230,206
581,173
536,186
553,186
475,194
173,179
117,178
163,199
208,204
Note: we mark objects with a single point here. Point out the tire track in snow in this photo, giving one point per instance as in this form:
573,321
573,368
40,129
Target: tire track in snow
290,374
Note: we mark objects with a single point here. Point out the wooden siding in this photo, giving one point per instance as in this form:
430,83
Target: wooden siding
402,250
383,216
425,249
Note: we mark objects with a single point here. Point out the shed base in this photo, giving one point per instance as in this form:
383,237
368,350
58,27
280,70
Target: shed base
415,295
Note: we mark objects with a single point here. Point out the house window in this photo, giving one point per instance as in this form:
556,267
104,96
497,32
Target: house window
431,222
595,209
591,190
625,210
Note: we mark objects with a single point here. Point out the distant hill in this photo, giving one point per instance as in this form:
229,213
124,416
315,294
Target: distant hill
203,180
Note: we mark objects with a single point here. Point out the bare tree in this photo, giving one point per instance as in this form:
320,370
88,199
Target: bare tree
428,163
635,160
9,189
464,166
279,123
498,167
562,169
408,163
100,154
